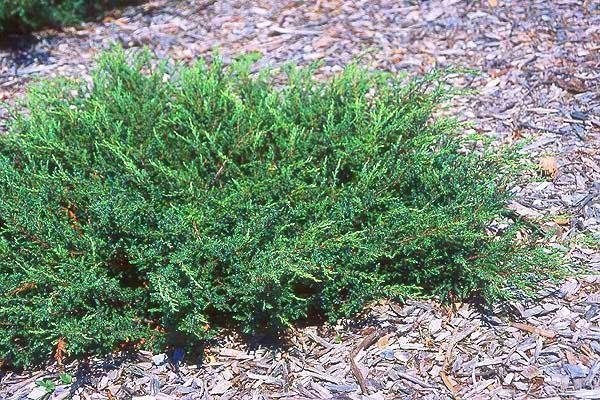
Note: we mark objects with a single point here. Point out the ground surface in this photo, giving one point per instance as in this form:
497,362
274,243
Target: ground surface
540,81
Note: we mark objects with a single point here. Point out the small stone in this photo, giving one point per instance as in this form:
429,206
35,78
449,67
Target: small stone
160,359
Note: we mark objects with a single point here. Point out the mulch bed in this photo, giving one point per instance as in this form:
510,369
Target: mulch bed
539,85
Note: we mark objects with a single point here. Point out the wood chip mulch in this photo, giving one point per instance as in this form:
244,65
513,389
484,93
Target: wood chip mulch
539,84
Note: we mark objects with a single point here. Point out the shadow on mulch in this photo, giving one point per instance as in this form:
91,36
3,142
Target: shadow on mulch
23,50
89,369
18,37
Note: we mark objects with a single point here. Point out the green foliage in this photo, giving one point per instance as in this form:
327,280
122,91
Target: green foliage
65,379
27,15
47,384
161,203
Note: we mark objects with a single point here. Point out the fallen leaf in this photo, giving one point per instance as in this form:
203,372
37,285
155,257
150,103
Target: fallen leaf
532,329
61,349
549,166
23,288
383,341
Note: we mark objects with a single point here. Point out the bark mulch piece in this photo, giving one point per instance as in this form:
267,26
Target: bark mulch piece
539,85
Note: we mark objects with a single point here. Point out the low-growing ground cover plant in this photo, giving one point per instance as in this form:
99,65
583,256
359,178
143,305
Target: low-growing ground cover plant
28,15
159,204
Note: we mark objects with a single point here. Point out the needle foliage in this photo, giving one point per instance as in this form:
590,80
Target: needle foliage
159,203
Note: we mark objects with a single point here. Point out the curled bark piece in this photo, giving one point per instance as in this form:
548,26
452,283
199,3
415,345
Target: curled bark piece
366,342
